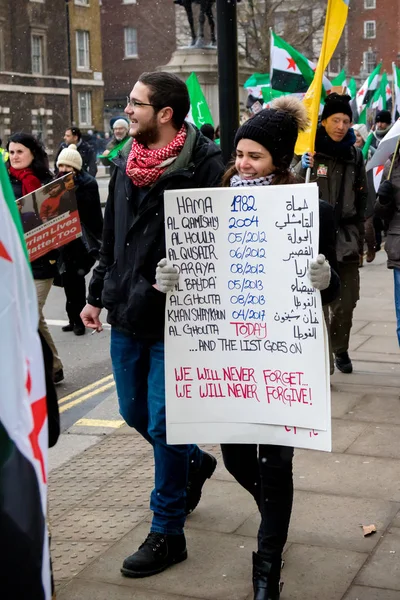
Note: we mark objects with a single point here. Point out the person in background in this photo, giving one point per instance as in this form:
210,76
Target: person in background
78,257
388,208
361,133
208,130
338,168
264,148
28,169
120,133
383,124
73,135
131,281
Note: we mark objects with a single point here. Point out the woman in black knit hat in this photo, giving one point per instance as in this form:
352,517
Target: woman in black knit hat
264,147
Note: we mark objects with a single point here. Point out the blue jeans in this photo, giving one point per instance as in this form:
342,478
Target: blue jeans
396,273
140,380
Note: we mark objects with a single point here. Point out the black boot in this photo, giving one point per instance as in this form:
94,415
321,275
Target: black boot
68,327
157,553
266,578
343,362
197,478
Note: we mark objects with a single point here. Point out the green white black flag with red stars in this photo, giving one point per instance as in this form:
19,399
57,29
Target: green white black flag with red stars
24,554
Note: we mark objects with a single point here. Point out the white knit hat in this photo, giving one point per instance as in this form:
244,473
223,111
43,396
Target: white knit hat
70,157
121,123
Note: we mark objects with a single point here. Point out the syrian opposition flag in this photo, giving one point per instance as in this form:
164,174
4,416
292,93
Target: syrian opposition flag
256,84
386,147
368,88
24,553
352,88
396,86
291,72
377,173
340,80
199,113
383,96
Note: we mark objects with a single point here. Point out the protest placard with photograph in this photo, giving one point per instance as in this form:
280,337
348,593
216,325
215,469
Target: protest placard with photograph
50,216
246,355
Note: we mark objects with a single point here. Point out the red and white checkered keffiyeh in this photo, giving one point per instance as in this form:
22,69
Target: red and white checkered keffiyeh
145,166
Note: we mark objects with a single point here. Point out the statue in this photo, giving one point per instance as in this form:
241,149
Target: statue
205,11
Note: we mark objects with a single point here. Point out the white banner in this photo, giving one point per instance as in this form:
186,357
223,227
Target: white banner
244,329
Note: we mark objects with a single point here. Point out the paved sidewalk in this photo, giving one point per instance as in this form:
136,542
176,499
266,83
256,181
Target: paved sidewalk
98,500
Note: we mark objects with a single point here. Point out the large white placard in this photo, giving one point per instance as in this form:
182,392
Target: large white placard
244,328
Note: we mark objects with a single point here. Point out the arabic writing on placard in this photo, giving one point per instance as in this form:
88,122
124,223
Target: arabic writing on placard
243,327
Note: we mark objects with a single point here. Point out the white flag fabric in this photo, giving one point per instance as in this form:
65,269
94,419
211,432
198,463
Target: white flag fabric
23,410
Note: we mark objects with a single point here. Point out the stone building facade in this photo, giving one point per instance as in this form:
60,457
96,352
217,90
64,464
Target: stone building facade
34,80
137,36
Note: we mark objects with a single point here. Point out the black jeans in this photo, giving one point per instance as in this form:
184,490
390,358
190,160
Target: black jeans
267,473
75,292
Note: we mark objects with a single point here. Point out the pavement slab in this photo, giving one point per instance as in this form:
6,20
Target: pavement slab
357,476
383,569
218,567
89,590
313,573
359,592
332,521
224,507
378,440
377,408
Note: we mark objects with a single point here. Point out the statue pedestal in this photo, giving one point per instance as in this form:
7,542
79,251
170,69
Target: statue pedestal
204,62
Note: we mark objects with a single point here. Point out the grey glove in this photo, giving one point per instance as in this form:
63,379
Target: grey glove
167,276
319,273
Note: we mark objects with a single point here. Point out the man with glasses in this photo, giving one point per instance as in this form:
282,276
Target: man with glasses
165,152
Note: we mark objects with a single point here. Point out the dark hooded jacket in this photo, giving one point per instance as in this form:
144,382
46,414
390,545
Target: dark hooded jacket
134,237
340,174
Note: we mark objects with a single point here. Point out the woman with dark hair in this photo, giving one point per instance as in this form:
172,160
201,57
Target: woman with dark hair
28,168
264,147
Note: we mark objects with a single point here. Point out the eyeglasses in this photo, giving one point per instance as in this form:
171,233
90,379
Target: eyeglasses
134,103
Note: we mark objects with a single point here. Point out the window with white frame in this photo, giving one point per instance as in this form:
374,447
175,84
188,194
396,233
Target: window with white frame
82,50
369,4
85,108
369,61
82,2
130,39
37,53
129,2
369,30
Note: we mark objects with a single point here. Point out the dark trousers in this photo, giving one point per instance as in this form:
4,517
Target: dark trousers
75,292
267,473
341,310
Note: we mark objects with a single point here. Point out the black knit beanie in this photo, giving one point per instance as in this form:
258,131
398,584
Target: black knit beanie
383,116
276,130
336,103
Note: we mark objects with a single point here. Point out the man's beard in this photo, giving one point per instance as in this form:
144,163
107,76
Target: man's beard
148,134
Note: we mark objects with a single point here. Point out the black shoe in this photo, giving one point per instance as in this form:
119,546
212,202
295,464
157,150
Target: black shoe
157,553
79,329
68,327
266,578
58,376
343,362
197,478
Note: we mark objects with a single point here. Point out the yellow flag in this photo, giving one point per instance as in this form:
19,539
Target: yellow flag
335,20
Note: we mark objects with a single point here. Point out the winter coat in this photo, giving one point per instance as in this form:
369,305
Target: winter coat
110,146
390,212
88,154
44,267
327,247
81,254
343,184
134,237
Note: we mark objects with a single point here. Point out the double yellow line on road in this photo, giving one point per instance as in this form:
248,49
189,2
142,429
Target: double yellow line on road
102,385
